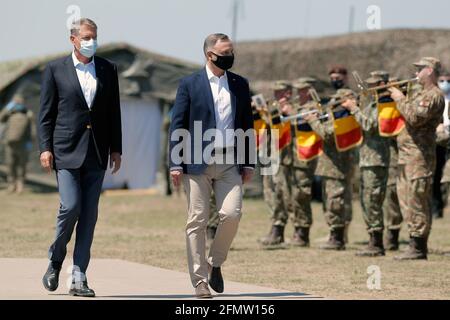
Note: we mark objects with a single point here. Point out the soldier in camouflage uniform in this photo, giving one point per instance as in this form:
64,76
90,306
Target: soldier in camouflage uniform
335,168
417,154
302,175
338,76
280,202
391,206
19,133
373,163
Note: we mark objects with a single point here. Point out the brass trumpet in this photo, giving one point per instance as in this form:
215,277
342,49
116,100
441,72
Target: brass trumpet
374,90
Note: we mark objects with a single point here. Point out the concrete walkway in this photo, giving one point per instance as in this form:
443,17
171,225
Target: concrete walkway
118,279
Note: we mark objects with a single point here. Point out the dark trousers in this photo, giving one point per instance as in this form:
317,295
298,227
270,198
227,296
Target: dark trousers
79,191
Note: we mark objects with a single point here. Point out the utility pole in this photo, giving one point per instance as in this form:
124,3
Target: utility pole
351,19
234,21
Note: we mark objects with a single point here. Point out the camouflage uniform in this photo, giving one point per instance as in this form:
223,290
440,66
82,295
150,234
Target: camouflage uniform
373,162
391,206
282,202
416,145
417,159
335,168
18,135
277,188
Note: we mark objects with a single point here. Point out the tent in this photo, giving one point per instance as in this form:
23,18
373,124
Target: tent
148,84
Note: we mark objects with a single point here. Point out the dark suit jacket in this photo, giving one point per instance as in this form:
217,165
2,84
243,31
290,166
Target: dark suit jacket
194,102
65,121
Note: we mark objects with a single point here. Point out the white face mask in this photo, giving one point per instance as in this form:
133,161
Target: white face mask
444,86
88,47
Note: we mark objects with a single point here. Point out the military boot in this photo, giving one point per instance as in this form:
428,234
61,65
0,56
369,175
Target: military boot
301,237
417,250
275,237
375,247
335,241
392,243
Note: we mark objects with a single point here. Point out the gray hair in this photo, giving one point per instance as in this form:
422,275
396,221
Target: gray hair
212,39
76,25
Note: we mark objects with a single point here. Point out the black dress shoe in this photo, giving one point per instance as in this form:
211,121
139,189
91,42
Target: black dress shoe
81,289
51,277
216,280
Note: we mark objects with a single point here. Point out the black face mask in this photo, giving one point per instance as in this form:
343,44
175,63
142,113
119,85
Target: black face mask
337,84
224,62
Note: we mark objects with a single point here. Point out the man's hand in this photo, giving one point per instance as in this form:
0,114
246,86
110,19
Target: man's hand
349,104
396,94
115,159
247,175
310,117
285,107
47,161
176,177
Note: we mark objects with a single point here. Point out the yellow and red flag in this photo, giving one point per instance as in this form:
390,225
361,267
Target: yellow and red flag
260,126
347,131
309,144
390,121
284,130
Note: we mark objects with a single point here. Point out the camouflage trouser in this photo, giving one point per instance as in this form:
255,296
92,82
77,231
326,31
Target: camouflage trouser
302,180
16,158
348,200
333,201
372,193
268,191
391,209
415,203
282,196
214,219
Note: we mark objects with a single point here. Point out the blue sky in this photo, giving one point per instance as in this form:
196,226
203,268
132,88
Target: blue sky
177,27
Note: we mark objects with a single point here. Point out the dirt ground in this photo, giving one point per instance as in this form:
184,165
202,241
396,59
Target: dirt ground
150,230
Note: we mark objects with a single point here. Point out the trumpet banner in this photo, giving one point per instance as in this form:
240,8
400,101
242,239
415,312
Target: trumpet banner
347,131
390,121
309,145
260,127
284,131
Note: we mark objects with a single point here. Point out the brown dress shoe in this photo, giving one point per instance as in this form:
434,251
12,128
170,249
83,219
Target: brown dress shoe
202,291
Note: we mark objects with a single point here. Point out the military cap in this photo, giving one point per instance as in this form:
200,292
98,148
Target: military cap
309,80
381,74
373,80
301,85
343,93
429,62
281,85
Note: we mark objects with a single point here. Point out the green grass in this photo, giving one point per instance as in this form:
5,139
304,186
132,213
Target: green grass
150,230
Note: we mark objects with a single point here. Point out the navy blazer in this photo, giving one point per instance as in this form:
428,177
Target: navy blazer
65,120
194,102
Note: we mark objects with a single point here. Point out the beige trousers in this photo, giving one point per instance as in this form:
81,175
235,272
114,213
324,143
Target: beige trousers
226,182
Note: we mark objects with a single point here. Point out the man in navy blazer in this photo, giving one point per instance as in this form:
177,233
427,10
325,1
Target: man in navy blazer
212,147
79,132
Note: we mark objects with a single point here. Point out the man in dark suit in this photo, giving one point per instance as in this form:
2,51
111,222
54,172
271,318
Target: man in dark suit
79,131
212,147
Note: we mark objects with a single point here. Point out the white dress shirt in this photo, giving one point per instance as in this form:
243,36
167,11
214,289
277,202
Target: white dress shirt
87,78
445,115
222,108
